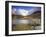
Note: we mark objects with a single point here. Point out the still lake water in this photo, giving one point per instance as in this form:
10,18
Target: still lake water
22,21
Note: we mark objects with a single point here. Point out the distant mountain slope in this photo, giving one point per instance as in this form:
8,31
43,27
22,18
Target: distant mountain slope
36,14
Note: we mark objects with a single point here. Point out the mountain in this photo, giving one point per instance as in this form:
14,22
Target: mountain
36,14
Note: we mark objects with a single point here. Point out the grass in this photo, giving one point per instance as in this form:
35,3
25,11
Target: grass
22,27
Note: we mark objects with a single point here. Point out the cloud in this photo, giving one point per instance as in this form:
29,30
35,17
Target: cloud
13,10
33,10
25,12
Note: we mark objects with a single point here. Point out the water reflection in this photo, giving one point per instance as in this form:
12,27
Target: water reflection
23,21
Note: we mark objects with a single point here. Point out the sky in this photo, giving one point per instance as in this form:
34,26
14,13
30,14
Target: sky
22,7
25,10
